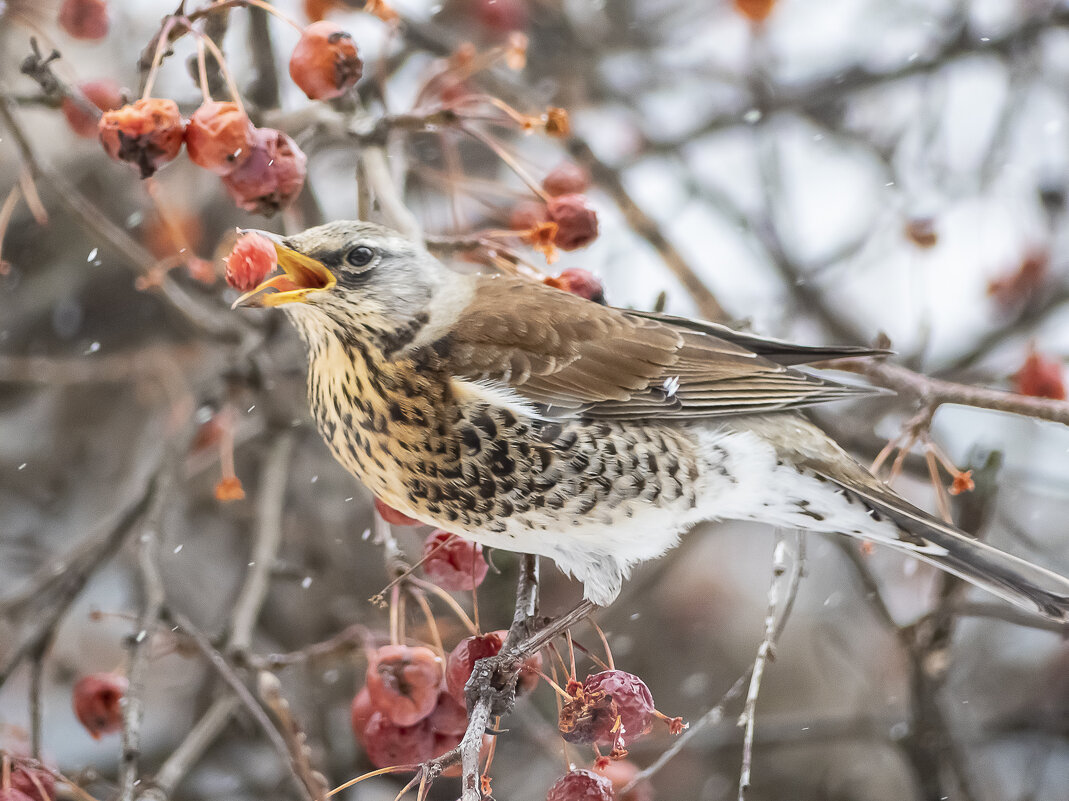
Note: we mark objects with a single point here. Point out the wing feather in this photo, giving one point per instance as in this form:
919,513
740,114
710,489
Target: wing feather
583,359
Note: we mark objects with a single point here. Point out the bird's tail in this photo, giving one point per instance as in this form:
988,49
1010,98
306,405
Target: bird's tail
1010,577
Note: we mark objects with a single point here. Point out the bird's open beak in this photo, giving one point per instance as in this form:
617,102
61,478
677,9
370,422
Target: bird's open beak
301,276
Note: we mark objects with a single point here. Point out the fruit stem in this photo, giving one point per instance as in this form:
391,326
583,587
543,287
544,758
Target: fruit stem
506,157
231,84
202,73
157,57
270,9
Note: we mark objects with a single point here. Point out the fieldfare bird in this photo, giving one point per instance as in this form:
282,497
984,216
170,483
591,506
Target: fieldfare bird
529,419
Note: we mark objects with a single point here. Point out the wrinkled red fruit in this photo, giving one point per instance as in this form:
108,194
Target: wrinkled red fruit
324,63
403,682
105,94
502,16
1040,377
591,716
1022,285
84,19
35,783
526,214
146,133
755,10
252,258
462,660
219,137
621,772
921,232
391,515
567,178
360,713
453,563
579,282
271,177
11,794
388,744
449,717
97,701
577,224
581,785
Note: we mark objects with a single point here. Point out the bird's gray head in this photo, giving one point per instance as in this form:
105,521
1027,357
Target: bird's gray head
357,275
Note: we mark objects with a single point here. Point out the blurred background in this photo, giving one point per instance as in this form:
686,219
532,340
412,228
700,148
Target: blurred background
824,172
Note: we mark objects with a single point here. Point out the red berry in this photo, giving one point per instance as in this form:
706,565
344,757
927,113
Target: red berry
621,772
271,177
388,744
462,661
37,784
105,94
11,794
84,19
755,10
1022,284
449,716
526,215
529,672
453,563
146,133
97,701
252,258
391,515
567,178
591,717
577,224
325,63
403,682
921,232
360,714
581,785
502,16
219,137
1040,377
579,282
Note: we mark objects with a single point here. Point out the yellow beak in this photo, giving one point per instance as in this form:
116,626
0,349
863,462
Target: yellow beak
302,276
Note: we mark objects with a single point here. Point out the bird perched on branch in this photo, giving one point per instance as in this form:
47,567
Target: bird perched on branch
526,418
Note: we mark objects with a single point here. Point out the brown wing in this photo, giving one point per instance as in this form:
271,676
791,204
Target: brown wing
582,359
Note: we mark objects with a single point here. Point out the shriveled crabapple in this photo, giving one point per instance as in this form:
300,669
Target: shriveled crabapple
1040,377
84,19
325,64
452,562
219,137
579,282
388,744
449,717
360,713
146,133
526,215
621,773
581,785
97,700
391,515
35,782
567,178
755,10
252,258
105,94
403,682
922,232
577,223
271,177
613,707
462,659
501,16
11,794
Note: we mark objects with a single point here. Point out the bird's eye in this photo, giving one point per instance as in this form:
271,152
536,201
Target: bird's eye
360,256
